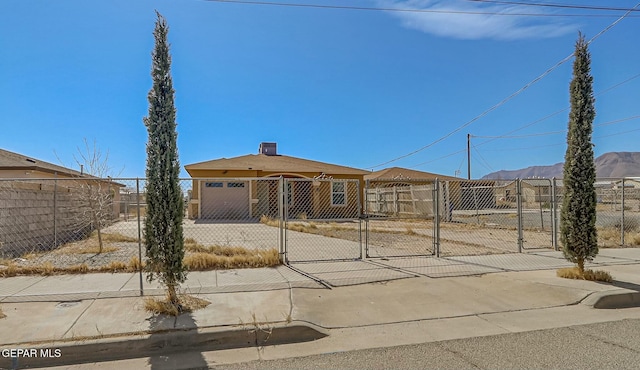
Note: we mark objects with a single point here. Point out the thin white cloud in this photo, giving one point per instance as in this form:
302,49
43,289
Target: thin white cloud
476,26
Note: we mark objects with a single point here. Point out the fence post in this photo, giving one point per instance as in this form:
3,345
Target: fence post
436,217
139,235
367,185
55,209
395,201
554,215
519,206
622,213
359,213
281,220
541,211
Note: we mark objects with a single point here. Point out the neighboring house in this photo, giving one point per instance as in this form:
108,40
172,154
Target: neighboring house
246,187
628,184
456,193
402,192
533,190
44,205
19,166
398,176
14,165
610,191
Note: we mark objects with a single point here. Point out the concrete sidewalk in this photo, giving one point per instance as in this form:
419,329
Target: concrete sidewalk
99,317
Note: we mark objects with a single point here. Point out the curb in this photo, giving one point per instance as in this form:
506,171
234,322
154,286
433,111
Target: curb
621,298
161,344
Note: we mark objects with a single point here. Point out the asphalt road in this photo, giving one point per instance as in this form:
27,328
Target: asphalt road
612,345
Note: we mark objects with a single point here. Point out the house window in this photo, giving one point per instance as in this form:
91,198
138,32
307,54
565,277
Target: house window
338,193
213,184
235,185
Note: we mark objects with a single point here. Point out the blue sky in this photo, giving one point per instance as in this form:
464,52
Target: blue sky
353,87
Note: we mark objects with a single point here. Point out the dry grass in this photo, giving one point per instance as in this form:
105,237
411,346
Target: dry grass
31,256
268,221
610,237
202,261
114,238
44,269
200,258
90,245
47,269
190,241
164,307
115,266
219,250
135,264
83,248
591,275
410,231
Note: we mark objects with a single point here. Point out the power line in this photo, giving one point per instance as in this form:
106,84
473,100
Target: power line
613,87
553,132
551,5
485,164
521,136
406,10
605,91
558,144
504,101
439,158
550,145
531,147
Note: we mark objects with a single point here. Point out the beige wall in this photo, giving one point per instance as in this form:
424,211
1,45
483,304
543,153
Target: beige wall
321,203
30,210
29,174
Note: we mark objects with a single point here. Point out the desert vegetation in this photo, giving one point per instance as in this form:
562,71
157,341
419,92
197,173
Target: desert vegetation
120,254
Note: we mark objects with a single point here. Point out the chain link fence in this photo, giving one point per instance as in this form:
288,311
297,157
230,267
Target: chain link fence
399,218
55,222
322,219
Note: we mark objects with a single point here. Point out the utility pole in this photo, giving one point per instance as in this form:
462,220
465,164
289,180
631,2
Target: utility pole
468,156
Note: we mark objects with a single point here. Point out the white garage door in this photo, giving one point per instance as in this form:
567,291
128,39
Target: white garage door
225,199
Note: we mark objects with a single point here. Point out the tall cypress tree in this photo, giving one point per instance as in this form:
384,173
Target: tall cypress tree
578,216
163,225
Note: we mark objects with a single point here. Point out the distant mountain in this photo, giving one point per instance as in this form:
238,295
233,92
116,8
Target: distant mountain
614,164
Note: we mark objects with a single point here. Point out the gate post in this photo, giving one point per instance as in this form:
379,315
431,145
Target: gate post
367,185
282,248
554,215
360,214
519,207
436,217
55,210
622,214
140,234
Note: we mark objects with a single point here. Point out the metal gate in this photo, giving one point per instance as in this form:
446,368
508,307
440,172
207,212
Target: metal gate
399,218
322,219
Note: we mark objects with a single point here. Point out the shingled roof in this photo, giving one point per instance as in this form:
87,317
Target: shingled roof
273,163
399,173
14,161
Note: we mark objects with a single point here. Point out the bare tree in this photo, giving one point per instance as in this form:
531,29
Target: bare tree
95,190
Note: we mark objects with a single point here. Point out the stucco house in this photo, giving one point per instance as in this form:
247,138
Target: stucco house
45,205
18,166
399,176
14,165
246,187
402,192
